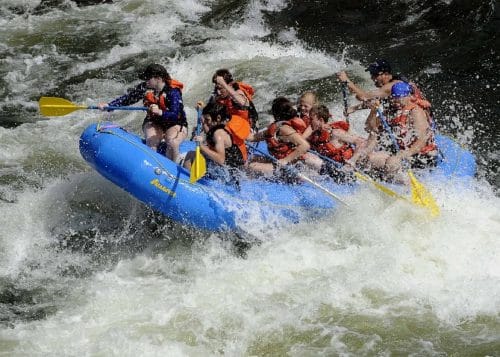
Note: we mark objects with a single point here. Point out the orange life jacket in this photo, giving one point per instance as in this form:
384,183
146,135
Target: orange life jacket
150,97
239,129
234,156
234,108
277,148
320,142
400,126
247,89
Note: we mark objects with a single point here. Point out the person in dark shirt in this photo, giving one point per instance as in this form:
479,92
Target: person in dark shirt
165,125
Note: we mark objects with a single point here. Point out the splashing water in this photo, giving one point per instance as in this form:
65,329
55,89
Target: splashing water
85,269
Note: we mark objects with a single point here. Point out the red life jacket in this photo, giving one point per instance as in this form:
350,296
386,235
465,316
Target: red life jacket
277,148
234,108
306,119
400,127
320,142
418,97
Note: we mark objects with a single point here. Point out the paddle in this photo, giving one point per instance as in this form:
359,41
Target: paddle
301,176
344,97
55,107
199,165
362,177
419,194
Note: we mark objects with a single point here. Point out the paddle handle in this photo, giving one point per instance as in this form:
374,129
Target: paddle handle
198,121
360,176
419,193
344,97
338,165
117,108
387,128
303,177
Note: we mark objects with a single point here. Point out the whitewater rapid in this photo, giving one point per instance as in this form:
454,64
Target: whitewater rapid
85,269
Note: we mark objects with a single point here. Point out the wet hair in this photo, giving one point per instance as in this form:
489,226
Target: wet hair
214,110
379,66
224,73
321,111
154,70
282,109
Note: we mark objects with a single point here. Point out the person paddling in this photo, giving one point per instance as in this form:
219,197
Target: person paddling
219,145
382,76
236,96
284,141
332,140
165,122
410,132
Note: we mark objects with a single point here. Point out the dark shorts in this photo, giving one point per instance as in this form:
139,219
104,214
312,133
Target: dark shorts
164,125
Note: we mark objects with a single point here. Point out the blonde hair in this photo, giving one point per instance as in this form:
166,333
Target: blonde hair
311,95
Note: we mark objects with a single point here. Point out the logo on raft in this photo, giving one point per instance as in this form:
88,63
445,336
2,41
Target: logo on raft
156,183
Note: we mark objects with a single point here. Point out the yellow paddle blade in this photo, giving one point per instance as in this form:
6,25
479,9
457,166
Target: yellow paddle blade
55,107
199,166
421,196
379,186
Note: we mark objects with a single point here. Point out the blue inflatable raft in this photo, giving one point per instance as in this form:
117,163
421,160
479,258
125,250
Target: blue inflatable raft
125,160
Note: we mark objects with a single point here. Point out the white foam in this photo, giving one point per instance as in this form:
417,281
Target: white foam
382,260
387,258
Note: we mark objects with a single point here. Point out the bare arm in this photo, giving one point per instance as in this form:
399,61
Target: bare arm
307,133
358,92
237,95
347,137
372,127
382,92
218,153
378,93
258,136
422,130
288,134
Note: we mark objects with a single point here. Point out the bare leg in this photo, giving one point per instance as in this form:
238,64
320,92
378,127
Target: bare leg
313,161
188,161
264,168
378,159
153,135
173,138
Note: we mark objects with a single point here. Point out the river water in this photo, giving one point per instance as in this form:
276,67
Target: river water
85,269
